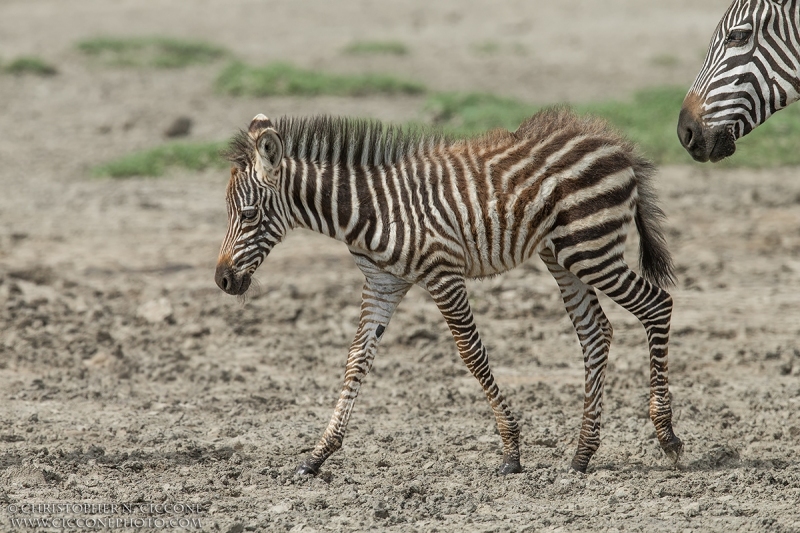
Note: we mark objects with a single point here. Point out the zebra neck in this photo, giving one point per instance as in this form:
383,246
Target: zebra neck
336,200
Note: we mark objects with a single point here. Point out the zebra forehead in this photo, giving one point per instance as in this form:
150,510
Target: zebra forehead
240,187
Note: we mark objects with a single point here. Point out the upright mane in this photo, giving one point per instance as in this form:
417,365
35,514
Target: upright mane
351,141
340,140
358,141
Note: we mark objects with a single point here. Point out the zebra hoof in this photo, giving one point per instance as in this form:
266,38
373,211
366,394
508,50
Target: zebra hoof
510,467
306,469
673,448
579,464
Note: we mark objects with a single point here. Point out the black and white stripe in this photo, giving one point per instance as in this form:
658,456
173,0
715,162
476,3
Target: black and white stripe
416,208
751,71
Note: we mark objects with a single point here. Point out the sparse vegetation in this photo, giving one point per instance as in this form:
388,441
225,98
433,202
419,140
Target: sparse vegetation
30,65
649,119
394,48
473,113
283,79
162,52
772,144
153,162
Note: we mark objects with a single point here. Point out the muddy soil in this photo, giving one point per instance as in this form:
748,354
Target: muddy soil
127,376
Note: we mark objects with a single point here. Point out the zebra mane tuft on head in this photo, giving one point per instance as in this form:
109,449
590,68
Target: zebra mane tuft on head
241,150
351,141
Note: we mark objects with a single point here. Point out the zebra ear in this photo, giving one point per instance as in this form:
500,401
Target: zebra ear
270,149
259,123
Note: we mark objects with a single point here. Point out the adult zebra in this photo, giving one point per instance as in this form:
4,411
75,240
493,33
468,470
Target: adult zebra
421,209
751,70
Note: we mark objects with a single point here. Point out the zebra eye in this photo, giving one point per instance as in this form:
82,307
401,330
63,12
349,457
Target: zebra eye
249,213
738,37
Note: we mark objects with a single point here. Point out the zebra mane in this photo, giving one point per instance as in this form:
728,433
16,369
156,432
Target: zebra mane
340,140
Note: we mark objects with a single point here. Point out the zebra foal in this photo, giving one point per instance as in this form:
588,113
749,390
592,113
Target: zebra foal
422,209
751,71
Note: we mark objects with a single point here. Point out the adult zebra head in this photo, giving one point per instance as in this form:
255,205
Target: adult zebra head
256,218
751,71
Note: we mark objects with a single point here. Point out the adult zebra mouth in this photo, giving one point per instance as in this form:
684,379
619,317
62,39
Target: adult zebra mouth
724,144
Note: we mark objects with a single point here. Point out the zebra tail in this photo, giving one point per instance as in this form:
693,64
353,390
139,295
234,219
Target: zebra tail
655,261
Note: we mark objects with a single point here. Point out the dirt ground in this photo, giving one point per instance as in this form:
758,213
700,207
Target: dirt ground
127,376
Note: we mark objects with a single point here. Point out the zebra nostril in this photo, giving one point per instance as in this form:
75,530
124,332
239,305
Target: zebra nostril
691,135
688,137
226,282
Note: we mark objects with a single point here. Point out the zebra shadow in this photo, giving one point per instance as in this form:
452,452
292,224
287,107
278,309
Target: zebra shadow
720,457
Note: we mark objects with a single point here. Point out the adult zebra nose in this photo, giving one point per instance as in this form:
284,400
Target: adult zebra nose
224,277
230,282
690,133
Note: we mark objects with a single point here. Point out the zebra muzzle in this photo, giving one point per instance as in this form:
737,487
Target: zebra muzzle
703,143
231,282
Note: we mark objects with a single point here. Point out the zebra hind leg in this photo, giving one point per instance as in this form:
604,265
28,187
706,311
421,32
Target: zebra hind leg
652,306
450,295
594,333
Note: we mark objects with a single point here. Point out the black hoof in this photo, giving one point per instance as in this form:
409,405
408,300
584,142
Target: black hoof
673,448
579,464
510,467
306,469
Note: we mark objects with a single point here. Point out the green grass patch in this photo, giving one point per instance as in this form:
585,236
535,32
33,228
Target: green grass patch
649,118
466,114
161,52
283,79
391,48
774,143
153,162
30,65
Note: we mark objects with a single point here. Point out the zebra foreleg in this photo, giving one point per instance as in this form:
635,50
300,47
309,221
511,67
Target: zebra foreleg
652,305
450,295
594,333
382,293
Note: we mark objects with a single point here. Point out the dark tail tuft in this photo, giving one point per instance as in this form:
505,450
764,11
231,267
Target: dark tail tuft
655,261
